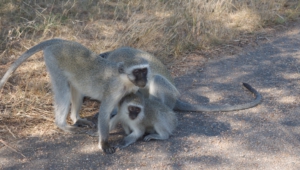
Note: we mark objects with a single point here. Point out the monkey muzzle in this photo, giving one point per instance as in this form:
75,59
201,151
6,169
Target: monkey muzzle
141,83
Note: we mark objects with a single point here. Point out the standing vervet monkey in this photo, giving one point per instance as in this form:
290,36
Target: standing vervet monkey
139,115
161,84
75,72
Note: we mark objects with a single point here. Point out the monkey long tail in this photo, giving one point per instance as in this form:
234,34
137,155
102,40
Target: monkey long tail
25,56
183,106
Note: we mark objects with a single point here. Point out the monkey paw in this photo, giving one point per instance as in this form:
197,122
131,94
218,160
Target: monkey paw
110,150
147,138
84,122
106,148
72,129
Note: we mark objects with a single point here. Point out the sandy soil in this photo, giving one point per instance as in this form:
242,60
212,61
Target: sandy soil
264,137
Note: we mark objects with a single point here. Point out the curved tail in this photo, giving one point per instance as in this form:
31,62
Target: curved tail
183,106
25,56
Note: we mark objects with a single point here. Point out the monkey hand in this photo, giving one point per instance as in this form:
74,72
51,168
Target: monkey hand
147,138
123,144
106,148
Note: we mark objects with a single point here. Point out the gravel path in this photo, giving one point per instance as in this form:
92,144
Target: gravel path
264,137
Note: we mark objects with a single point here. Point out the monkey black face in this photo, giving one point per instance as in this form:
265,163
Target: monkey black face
140,77
133,112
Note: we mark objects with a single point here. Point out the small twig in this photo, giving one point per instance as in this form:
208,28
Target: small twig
2,53
4,143
10,132
280,17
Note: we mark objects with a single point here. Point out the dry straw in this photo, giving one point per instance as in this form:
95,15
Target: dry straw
165,28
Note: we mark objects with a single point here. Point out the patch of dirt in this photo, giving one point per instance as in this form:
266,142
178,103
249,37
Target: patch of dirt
264,137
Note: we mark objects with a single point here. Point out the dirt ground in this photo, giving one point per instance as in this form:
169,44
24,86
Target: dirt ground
264,137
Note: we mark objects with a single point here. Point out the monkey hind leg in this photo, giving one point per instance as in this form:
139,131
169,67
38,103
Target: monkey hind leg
61,90
161,133
62,103
76,103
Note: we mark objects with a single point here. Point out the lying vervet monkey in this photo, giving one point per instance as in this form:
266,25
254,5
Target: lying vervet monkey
139,115
161,84
75,72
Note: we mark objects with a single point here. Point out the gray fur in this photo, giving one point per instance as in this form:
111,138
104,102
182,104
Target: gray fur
155,118
75,72
161,84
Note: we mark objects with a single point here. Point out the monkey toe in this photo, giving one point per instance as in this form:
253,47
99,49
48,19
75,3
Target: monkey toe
92,133
77,124
110,150
73,129
84,123
147,138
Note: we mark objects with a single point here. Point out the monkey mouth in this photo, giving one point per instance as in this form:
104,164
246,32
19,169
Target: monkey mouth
141,84
133,116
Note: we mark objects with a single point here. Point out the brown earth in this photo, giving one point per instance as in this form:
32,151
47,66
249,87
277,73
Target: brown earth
264,137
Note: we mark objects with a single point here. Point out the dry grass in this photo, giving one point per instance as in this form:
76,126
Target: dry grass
166,28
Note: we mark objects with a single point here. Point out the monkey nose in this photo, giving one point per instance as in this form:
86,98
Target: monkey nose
142,84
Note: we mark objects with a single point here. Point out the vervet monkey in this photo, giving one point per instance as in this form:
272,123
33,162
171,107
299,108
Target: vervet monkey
139,115
75,72
161,84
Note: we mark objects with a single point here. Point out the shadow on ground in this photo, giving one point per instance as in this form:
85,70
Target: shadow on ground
264,137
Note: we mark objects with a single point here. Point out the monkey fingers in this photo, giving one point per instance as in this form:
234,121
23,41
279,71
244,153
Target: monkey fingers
107,148
122,144
148,138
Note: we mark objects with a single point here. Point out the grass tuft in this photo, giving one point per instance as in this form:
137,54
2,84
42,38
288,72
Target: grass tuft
168,29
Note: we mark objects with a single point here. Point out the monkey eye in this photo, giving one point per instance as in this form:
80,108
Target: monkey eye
145,70
134,109
136,71
137,109
130,108
139,71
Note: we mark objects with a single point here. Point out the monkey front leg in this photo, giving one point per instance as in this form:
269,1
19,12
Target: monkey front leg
126,129
103,125
76,103
131,138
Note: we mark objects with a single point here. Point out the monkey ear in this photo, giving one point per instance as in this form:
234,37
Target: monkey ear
121,68
105,55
